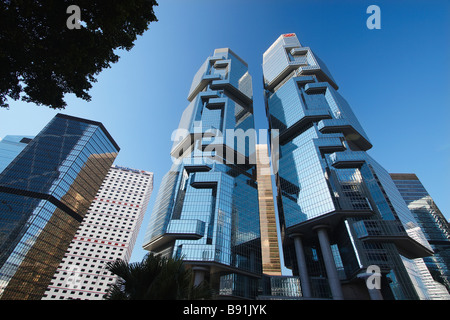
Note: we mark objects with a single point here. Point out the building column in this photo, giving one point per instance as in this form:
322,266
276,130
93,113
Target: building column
199,275
330,266
301,262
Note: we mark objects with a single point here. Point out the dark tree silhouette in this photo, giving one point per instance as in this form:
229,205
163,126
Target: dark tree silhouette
42,59
155,278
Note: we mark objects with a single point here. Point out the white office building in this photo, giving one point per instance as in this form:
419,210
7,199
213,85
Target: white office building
108,232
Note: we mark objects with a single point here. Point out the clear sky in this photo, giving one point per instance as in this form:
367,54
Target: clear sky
396,79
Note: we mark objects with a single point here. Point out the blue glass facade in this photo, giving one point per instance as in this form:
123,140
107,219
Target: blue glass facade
10,147
340,211
44,194
206,210
433,223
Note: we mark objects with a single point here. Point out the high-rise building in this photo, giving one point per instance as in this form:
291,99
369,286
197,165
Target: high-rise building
44,194
10,147
108,232
435,228
341,216
206,210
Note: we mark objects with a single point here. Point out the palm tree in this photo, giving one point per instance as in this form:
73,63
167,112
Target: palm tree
154,278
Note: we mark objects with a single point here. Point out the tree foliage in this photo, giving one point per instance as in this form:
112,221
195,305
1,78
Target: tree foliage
155,278
41,59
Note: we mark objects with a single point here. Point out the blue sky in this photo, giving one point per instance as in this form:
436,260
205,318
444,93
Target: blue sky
396,79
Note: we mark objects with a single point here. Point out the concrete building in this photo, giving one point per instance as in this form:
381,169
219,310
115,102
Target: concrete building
107,232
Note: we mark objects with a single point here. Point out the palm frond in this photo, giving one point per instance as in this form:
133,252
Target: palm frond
154,278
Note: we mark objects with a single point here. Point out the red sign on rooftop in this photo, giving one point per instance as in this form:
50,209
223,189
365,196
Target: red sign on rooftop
288,35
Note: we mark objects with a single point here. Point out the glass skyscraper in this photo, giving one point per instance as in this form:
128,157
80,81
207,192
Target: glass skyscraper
340,212
44,194
434,226
206,210
10,147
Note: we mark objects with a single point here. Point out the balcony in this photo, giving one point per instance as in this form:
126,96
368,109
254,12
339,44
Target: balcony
221,63
353,159
219,84
204,81
205,179
318,87
394,232
329,144
216,103
186,229
189,229
344,126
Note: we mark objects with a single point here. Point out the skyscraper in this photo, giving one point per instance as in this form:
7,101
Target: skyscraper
341,215
44,194
10,147
108,232
435,228
206,210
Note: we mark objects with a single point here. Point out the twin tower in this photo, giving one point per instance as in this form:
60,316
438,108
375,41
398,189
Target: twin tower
341,221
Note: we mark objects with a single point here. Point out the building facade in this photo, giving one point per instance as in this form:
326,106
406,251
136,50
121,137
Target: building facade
435,228
206,210
273,285
44,194
270,252
108,232
340,213
10,147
